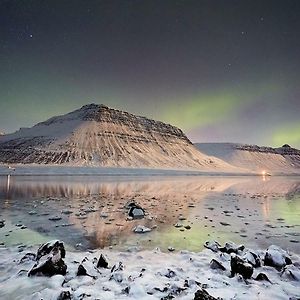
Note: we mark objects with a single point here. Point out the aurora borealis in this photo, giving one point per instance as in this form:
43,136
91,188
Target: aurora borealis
220,70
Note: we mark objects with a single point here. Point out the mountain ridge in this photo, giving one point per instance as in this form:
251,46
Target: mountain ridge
96,135
255,158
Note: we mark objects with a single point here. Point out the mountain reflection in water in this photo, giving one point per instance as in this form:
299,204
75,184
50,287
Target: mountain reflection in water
252,210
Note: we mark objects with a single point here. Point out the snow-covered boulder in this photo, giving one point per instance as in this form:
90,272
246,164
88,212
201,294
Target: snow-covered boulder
276,257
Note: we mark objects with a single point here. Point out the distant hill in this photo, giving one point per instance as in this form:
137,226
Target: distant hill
96,135
255,158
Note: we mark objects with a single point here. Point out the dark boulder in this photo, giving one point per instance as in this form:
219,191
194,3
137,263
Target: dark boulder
81,271
262,277
204,295
214,264
239,266
64,295
136,212
291,272
48,247
102,262
27,257
276,257
212,245
252,258
2,223
49,260
231,247
49,267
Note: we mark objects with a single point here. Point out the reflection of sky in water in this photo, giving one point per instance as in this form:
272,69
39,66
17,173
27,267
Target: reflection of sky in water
255,210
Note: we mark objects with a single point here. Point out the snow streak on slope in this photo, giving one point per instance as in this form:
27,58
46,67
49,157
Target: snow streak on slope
284,159
96,135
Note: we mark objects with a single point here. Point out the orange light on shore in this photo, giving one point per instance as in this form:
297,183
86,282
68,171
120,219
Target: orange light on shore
264,173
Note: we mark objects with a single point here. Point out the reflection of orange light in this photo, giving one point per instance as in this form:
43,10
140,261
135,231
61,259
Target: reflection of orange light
8,184
266,208
263,173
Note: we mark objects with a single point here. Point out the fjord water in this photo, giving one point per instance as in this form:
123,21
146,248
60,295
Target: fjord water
88,211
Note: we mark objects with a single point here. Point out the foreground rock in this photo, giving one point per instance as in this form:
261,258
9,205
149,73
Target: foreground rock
2,223
50,260
135,211
276,257
48,247
239,266
141,229
204,295
102,262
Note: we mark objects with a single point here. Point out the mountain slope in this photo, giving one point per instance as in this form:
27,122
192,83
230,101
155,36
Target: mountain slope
284,159
96,135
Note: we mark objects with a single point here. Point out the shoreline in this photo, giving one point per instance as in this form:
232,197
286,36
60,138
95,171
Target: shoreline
39,170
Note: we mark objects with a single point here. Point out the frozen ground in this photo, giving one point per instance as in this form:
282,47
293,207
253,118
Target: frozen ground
146,275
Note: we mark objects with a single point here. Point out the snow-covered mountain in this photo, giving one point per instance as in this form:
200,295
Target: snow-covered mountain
283,159
96,135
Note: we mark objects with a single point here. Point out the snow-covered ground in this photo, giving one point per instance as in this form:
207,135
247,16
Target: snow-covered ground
148,275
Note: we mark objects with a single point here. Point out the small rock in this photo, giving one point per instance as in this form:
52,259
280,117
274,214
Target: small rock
276,257
214,264
231,247
102,262
239,266
291,272
178,225
262,277
28,257
55,218
2,223
203,295
81,271
66,212
170,274
171,249
252,259
49,267
64,295
225,224
212,245
136,212
48,247
141,229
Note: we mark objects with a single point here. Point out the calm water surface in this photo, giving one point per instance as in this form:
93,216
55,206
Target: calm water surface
89,211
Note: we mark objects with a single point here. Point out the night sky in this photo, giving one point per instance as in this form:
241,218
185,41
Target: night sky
220,70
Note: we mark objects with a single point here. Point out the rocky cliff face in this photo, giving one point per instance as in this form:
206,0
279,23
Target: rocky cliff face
96,135
283,159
